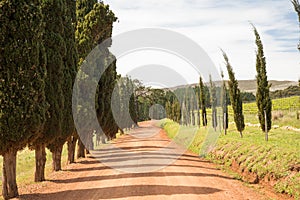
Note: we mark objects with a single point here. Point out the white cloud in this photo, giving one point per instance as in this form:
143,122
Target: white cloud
223,24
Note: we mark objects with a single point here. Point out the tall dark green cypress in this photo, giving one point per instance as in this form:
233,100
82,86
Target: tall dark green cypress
106,86
213,101
263,100
71,68
202,101
224,104
55,49
177,111
133,104
193,122
69,74
94,25
22,83
235,97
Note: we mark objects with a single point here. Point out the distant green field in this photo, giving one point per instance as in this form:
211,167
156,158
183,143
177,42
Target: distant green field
285,104
285,108
269,160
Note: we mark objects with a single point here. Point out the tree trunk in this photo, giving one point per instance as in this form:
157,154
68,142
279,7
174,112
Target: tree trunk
87,151
80,149
9,183
56,159
40,162
71,149
241,133
90,145
103,139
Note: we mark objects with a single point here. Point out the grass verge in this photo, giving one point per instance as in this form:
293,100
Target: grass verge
275,162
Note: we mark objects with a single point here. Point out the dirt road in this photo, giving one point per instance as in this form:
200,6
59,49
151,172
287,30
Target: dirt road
137,167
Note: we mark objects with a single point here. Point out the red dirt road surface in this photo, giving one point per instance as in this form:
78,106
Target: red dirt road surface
142,165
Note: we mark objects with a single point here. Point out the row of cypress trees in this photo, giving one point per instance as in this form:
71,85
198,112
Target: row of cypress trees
42,44
263,99
124,103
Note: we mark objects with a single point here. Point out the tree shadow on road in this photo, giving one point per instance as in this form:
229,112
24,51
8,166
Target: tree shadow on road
138,175
123,192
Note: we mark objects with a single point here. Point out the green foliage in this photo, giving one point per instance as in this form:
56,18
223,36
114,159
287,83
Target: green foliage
147,97
263,99
247,97
83,7
202,102
157,96
22,74
224,104
173,109
94,25
105,88
235,97
69,73
124,102
287,92
55,49
213,100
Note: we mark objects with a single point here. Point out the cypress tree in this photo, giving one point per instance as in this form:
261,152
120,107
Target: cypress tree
94,25
296,5
71,66
22,83
224,104
104,112
83,7
297,9
69,75
203,102
263,99
183,115
197,88
169,110
235,97
192,111
213,100
55,52
177,111
188,109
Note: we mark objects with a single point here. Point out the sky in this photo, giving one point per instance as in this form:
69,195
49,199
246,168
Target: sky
216,25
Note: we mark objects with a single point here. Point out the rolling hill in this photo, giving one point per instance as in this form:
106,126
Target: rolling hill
250,85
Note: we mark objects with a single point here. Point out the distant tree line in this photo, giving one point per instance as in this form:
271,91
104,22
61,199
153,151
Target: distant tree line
287,92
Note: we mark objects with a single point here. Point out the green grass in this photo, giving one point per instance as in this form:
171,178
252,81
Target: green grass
26,166
288,107
269,160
